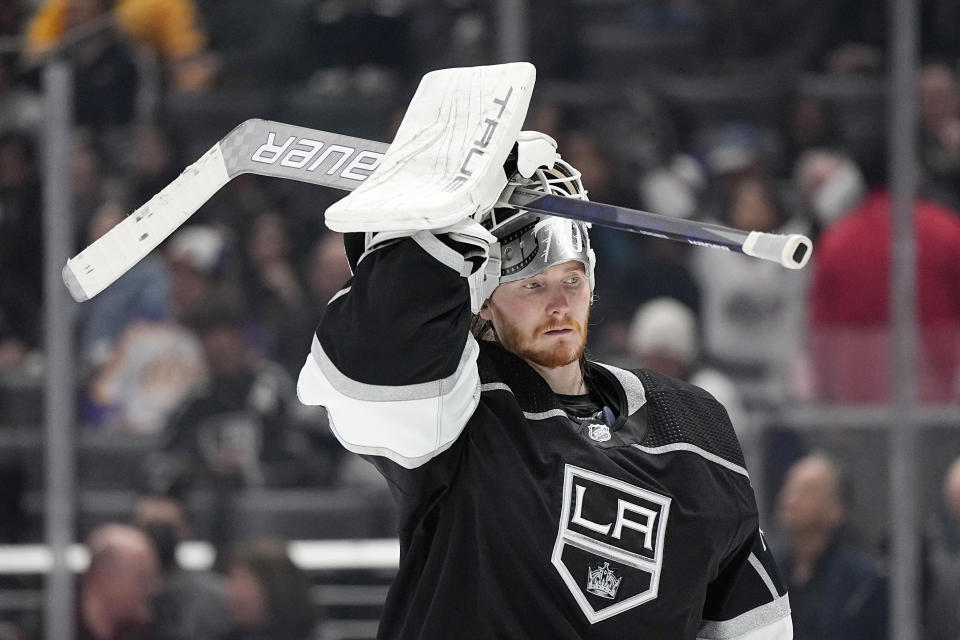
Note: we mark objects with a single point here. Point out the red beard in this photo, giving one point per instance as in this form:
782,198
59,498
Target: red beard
546,356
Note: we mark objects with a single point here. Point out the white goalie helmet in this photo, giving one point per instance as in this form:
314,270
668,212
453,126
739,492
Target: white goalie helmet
527,242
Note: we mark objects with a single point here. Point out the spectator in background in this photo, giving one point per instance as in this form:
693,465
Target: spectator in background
151,368
328,270
268,596
596,166
544,116
237,428
105,74
733,152
673,188
154,364
235,206
115,599
269,275
807,123
139,294
152,162
199,258
835,592
90,183
13,347
939,115
942,563
463,33
650,268
191,604
241,428
664,336
777,37
261,44
828,184
849,299
21,289
752,309
20,108
325,272
361,46
854,36
168,28
637,268
450,33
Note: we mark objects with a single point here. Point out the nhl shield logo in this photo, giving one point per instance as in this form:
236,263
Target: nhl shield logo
599,432
609,547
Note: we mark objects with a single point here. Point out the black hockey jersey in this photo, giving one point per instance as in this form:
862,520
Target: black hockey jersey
515,521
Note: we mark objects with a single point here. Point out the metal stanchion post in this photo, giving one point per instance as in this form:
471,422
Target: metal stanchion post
904,526
513,30
58,347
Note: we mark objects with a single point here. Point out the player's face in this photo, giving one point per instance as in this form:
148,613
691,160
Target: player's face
543,319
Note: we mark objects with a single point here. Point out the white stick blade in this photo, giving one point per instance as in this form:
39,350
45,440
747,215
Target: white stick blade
111,255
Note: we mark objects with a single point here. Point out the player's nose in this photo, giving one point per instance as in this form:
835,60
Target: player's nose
558,300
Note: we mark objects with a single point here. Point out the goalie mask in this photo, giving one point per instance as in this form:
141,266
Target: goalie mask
529,243
514,243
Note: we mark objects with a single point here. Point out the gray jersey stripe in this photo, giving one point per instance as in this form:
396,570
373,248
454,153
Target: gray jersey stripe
752,620
541,415
338,294
387,452
683,446
636,395
495,386
544,415
439,251
383,393
756,564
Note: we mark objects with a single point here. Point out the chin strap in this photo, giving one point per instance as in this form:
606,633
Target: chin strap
484,281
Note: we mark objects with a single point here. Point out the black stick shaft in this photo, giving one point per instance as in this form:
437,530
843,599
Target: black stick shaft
608,215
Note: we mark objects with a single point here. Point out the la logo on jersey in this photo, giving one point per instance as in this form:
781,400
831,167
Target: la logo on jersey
609,547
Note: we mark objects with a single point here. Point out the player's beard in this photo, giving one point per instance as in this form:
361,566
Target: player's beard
524,344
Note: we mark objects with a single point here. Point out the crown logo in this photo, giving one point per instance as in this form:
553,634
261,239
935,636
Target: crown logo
602,582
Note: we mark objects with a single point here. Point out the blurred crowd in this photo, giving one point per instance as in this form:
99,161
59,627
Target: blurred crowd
133,587
767,118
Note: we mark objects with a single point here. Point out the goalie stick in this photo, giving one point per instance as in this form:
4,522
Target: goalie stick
280,150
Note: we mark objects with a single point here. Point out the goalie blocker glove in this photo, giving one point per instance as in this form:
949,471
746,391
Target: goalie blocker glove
446,162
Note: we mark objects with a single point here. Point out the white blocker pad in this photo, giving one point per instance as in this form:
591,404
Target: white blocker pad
446,162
